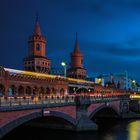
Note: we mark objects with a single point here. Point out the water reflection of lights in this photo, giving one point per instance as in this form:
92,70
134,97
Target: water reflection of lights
134,130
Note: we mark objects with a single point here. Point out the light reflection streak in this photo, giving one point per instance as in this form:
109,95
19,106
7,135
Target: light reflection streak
14,72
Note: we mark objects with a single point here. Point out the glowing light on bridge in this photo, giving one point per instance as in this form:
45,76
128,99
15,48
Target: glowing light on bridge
135,96
14,71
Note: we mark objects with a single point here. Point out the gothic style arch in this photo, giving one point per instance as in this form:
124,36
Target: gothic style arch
20,90
2,90
28,90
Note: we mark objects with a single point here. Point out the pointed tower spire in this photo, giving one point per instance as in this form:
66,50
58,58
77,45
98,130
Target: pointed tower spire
76,48
76,69
37,30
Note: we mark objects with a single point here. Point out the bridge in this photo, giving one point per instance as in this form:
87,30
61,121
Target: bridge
54,101
69,112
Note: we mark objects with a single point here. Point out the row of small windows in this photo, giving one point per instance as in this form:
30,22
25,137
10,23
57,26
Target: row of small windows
32,62
72,72
37,68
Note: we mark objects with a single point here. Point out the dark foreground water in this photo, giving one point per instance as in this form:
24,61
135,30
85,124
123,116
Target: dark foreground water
109,130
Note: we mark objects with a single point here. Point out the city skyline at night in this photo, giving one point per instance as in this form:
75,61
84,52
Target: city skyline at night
108,33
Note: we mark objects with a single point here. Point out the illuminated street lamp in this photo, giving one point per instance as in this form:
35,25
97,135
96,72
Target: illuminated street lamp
74,89
133,81
65,67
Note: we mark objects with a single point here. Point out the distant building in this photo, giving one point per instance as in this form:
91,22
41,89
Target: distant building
119,80
96,80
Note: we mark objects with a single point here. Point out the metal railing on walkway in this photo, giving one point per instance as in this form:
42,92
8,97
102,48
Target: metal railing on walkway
67,99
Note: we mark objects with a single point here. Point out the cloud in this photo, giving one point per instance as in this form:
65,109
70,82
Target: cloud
125,50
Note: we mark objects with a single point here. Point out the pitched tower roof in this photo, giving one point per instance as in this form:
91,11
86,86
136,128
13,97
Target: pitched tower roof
76,48
37,30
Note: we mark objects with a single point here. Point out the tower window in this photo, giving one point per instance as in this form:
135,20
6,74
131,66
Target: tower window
81,61
37,47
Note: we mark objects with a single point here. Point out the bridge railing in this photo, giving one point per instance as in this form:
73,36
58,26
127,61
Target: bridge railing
106,97
20,101
30,100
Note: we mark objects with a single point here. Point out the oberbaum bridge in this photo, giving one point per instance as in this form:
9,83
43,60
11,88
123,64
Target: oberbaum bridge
69,102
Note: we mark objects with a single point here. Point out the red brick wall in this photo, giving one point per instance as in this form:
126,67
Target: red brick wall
6,117
92,107
69,110
115,104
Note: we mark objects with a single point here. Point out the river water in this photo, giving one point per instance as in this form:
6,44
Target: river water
108,130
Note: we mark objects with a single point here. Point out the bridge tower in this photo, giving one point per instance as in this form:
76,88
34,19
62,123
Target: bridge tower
76,69
36,60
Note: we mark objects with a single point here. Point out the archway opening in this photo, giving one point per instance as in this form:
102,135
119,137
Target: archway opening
28,91
35,91
48,91
62,91
53,91
2,90
13,90
41,127
105,117
51,122
21,91
41,91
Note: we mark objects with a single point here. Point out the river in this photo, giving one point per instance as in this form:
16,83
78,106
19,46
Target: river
108,130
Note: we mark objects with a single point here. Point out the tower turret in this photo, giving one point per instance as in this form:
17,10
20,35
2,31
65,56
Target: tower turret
36,59
77,55
76,69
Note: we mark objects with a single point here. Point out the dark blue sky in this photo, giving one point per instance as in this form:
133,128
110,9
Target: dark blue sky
108,32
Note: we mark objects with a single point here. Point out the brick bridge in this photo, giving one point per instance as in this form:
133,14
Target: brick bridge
61,112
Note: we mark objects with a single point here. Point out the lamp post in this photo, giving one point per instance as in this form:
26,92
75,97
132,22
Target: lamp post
65,68
133,85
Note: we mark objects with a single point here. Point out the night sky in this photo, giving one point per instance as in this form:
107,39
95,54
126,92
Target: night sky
108,32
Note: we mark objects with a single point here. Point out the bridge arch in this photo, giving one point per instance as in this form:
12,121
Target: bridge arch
63,116
110,110
6,128
38,114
